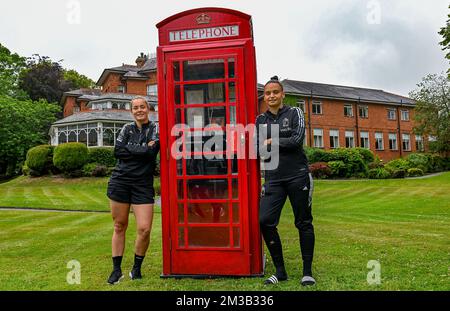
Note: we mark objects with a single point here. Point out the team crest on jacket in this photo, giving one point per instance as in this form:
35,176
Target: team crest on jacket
285,122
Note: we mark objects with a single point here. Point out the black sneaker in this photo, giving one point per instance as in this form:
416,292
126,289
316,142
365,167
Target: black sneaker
135,274
115,277
308,281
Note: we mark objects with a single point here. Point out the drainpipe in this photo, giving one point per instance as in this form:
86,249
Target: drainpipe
309,119
399,130
356,122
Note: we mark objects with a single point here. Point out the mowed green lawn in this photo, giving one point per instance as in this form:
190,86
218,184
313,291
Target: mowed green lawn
403,224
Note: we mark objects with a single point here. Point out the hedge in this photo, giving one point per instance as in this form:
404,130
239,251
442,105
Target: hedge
39,160
102,155
70,157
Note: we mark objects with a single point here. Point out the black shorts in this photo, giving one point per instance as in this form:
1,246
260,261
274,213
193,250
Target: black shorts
133,193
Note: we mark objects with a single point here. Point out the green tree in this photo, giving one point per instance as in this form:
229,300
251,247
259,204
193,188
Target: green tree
445,33
432,112
11,64
78,80
24,124
44,79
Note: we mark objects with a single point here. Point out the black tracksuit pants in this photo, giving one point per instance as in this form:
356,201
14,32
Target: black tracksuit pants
273,196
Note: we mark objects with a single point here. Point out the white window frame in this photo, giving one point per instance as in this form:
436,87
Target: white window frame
393,137
379,141
317,104
350,110
319,134
404,115
406,139
334,139
121,89
391,115
419,143
364,137
151,87
301,104
351,138
365,110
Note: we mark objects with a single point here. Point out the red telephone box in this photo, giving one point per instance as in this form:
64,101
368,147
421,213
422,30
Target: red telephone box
206,81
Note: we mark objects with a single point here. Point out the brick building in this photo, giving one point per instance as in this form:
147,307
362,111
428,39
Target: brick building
95,116
343,116
336,116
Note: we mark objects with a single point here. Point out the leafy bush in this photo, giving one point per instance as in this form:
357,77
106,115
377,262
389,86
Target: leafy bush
70,157
413,172
418,160
435,163
100,171
366,154
338,168
379,173
88,168
320,170
25,170
102,155
446,162
398,173
39,159
398,164
316,155
95,170
353,160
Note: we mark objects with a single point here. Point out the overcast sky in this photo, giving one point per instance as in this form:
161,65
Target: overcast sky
382,44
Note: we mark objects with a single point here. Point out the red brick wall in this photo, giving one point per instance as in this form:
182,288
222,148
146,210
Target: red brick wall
68,106
332,118
111,83
138,87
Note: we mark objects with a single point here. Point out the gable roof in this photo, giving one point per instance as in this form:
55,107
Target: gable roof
129,71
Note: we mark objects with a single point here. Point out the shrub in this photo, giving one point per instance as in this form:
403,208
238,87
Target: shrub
88,168
25,170
366,154
435,162
379,173
338,168
446,162
100,171
102,155
70,157
398,164
418,160
353,160
398,173
39,160
320,170
316,155
413,172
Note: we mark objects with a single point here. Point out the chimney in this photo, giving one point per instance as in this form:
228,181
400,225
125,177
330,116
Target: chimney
140,60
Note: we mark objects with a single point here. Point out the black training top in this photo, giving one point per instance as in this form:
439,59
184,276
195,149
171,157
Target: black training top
292,158
137,160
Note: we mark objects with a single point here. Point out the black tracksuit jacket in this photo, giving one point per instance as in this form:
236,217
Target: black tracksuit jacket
292,158
136,160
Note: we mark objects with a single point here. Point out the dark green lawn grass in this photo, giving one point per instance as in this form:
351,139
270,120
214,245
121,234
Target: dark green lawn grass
404,224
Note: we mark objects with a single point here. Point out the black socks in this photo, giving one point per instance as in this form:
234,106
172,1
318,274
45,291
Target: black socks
138,261
307,267
117,262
